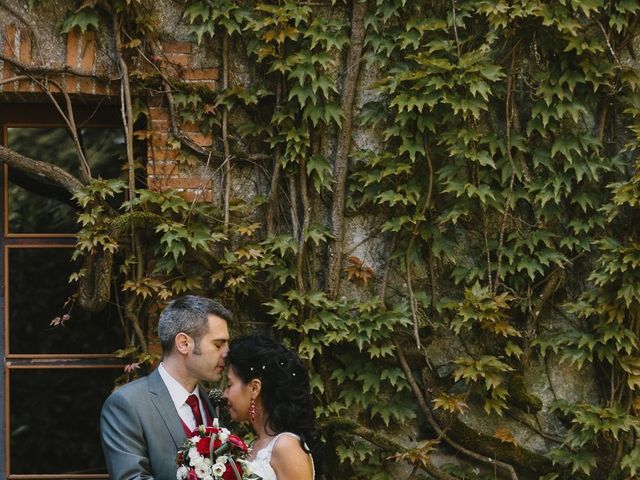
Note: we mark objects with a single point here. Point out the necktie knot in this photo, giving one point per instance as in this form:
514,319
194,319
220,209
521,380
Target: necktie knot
192,401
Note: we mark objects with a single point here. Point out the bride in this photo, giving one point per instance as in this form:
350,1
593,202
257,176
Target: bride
268,386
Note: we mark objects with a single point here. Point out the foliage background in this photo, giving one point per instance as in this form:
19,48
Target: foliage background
435,202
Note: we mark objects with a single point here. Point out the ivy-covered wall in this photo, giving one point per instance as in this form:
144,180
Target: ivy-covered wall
434,201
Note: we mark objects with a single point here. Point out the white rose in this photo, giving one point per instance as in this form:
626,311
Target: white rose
208,461
182,472
222,459
218,469
208,477
223,436
198,461
203,470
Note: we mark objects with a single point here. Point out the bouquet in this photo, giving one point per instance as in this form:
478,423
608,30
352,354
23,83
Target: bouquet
213,453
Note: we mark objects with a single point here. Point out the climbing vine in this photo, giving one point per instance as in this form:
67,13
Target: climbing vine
428,173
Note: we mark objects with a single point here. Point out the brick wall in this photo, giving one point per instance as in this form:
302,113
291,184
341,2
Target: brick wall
167,167
79,73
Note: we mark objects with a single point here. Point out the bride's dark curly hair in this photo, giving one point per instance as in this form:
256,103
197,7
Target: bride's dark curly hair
285,393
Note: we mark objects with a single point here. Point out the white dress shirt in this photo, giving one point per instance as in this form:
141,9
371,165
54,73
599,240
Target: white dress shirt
179,396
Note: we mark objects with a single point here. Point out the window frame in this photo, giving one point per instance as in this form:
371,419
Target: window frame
17,116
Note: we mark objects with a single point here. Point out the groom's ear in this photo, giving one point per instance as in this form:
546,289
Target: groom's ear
255,387
182,341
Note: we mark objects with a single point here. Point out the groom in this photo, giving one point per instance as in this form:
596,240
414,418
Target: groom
144,422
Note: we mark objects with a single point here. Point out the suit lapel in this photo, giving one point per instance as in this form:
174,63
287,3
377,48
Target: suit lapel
167,410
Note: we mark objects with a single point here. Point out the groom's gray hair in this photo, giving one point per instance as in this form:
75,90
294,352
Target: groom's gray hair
190,315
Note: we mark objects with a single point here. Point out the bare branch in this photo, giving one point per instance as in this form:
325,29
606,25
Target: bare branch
41,170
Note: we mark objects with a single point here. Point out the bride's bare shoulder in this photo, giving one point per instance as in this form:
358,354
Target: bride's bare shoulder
289,460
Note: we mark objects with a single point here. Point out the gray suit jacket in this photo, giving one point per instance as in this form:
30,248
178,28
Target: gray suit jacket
141,430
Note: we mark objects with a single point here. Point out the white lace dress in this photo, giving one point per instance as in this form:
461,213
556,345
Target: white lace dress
261,464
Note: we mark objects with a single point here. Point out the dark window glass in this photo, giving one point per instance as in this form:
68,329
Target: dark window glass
38,206
54,420
38,290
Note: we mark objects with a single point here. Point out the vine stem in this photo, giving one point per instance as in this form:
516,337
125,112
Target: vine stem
385,443
306,211
412,298
423,210
69,120
424,406
382,292
225,137
272,205
509,112
343,146
455,27
127,110
293,209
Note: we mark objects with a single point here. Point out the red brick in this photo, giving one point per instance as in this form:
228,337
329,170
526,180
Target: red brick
162,168
10,40
71,83
102,88
160,126
25,58
9,51
87,85
197,195
176,47
190,182
88,54
53,87
164,154
201,139
156,100
205,74
189,127
73,40
210,85
25,47
179,59
156,113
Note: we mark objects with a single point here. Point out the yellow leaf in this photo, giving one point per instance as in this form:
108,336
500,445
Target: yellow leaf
248,230
416,456
450,403
505,435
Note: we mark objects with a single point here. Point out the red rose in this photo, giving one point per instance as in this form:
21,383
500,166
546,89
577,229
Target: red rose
192,474
228,473
203,446
211,430
217,444
238,443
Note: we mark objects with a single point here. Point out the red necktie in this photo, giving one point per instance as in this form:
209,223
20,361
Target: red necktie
192,401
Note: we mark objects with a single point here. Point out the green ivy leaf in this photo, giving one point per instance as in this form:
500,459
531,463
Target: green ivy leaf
81,19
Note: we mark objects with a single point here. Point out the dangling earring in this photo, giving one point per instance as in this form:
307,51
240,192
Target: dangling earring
252,410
